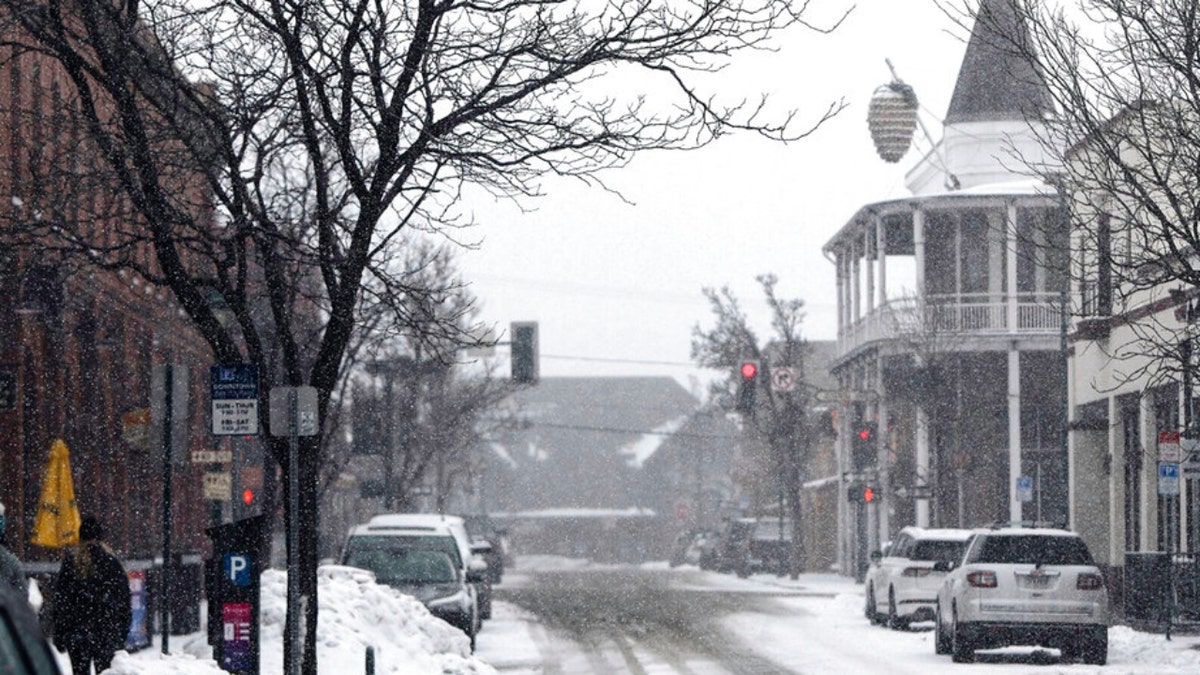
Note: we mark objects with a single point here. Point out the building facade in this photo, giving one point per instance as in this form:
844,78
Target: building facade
951,317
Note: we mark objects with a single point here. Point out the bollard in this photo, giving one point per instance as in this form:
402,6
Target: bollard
370,661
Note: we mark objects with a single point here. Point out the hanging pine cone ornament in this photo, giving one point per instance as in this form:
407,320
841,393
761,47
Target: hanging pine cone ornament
892,119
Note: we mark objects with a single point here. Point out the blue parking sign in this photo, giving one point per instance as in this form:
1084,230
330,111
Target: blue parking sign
1168,478
236,568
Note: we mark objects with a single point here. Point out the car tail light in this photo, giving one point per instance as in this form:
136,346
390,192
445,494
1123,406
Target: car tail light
917,571
1089,581
982,579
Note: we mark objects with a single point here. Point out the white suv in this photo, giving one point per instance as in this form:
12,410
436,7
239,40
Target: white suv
902,582
1024,586
426,556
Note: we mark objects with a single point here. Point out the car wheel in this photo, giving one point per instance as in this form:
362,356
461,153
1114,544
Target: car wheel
1094,647
941,641
961,648
893,621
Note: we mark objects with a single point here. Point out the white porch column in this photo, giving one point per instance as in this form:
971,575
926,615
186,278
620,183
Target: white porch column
1014,432
881,454
922,463
855,283
1116,487
1011,230
869,296
881,255
841,295
1148,515
919,250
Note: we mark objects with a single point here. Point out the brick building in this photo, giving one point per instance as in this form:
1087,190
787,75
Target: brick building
79,343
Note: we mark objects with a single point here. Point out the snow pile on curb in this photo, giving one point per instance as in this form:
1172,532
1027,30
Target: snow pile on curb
355,612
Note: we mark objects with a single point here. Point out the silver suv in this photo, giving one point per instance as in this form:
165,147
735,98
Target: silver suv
1023,586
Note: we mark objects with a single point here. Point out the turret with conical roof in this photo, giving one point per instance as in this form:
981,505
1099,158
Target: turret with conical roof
996,111
999,78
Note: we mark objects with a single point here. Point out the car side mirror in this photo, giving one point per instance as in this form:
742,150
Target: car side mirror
876,556
943,566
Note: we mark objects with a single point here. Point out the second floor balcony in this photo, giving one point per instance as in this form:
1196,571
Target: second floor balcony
949,322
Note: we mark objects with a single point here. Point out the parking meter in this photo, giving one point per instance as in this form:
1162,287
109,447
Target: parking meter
232,576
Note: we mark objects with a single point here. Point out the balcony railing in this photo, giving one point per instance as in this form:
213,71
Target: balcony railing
940,317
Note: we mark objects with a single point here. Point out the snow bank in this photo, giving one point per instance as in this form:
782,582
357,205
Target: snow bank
355,612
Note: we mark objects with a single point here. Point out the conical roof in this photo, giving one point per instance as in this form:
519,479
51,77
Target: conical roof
998,79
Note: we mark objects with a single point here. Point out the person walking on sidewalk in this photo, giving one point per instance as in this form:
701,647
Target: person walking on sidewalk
91,611
11,572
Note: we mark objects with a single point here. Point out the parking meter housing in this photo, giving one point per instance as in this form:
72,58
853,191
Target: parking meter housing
233,582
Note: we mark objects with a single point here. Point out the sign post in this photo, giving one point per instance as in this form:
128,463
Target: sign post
294,413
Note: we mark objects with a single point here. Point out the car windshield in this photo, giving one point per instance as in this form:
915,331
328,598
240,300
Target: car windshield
360,545
770,529
1033,549
932,549
399,566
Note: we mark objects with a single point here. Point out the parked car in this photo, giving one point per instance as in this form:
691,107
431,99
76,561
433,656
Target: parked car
475,565
770,546
690,545
733,550
490,543
400,549
23,647
901,585
1023,586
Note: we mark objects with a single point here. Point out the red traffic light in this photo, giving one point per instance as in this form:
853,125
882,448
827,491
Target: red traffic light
864,434
868,495
749,370
247,496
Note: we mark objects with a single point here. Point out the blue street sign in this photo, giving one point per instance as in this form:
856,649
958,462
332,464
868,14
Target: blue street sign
236,568
1168,478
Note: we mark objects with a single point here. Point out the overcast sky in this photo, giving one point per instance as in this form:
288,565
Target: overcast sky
616,287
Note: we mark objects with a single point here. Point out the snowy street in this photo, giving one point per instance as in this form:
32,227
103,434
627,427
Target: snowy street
639,620
766,625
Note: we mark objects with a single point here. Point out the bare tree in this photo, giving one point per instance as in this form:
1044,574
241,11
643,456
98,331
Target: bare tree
781,420
270,153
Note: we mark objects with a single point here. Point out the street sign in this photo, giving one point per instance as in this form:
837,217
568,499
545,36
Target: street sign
1024,489
235,400
1190,466
783,379
306,411
1168,478
914,492
211,456
218,486
1169,448
848,395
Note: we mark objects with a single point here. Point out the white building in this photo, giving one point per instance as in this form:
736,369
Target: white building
950,330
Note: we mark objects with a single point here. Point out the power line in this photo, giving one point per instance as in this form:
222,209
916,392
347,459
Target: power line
564,357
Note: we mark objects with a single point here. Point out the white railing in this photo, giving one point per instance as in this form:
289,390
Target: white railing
962,315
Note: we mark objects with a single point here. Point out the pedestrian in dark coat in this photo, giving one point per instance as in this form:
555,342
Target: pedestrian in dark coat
91,608
11,572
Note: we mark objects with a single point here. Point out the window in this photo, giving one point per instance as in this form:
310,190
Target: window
1033,549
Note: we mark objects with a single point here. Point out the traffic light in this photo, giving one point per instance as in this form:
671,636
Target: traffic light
248,497
864,445
747,386
524,355
861,493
